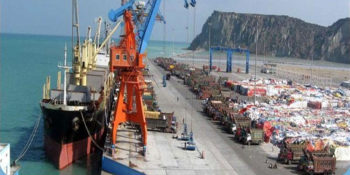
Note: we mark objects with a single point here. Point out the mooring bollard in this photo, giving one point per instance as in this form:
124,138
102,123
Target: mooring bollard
114,154
144,151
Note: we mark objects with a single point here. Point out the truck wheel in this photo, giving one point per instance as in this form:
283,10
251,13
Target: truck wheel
328,172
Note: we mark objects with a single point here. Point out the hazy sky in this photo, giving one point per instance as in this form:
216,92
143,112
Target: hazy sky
53,17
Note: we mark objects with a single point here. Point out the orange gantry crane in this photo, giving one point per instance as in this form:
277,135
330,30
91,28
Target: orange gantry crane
128,63
126,60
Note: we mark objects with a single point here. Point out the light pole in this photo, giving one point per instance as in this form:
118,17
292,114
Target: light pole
312,64
173,30
187,26
256,55
164,32
209,27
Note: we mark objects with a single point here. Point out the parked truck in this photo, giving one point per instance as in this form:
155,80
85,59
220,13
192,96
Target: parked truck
317,162
291,152
269,68
245,133
256,136
165,122
168,76
229,125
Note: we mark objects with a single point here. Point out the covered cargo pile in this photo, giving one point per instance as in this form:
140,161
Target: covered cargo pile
310,113
288,109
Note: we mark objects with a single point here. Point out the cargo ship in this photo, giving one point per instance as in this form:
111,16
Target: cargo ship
76,111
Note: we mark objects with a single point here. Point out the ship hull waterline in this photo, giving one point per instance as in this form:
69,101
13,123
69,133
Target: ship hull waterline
66,139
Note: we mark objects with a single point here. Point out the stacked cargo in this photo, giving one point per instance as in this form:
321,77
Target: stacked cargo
149,97
289,108
166,63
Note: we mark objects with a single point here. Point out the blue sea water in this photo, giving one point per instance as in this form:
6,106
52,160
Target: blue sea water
25,61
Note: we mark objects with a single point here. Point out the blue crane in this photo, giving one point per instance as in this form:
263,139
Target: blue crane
144,18
229,51
193,3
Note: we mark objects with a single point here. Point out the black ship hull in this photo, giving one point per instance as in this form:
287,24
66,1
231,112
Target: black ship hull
66,136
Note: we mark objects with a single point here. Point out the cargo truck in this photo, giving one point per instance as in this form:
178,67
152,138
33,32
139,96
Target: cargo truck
291,152
245,133
168,76
165,122
317,162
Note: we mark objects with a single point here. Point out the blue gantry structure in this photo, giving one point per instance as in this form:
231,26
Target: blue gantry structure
145,25
230,52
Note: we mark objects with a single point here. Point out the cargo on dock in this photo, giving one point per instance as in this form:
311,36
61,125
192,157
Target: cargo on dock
282,108
164,153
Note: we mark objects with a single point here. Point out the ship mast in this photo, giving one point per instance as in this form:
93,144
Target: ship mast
76,48
75,21
66,69
98,32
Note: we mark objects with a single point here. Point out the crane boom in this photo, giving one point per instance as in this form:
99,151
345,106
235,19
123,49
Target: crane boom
98,32
143,18
107,38
193,3
113,15
144,33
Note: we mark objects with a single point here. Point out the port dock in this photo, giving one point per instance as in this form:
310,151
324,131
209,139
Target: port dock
222,155
164,153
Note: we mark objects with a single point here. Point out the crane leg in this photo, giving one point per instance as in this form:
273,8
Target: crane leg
130,96
141,115
144,133
124,111
119,115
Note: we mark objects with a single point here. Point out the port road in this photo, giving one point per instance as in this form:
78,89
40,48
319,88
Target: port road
219,147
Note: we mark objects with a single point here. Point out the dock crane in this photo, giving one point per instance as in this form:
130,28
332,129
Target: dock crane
126,59
193,3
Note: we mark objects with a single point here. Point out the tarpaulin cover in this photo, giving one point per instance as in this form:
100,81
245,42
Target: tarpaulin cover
268,129
342,153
